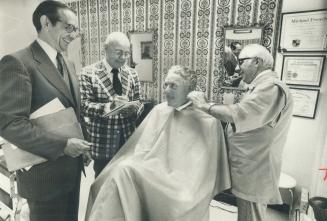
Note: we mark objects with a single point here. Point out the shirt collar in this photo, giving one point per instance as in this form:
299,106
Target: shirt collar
108,67
263,76
50,51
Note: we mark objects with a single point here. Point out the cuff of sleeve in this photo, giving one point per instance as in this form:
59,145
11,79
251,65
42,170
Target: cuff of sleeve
58,152
140,108
211,105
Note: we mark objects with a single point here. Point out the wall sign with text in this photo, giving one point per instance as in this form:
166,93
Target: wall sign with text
304,31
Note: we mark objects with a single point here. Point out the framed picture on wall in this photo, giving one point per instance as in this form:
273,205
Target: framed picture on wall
305,102
146,50
142,48
303,70
304,31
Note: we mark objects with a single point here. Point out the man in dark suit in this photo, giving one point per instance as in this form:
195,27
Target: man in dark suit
29,79
231,65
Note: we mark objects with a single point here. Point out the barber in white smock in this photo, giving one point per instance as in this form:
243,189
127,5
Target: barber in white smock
256,132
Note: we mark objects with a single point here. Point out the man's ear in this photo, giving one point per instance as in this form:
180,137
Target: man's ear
44,22
106,48
258,61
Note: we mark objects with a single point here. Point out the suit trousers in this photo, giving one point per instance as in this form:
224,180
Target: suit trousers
63,207
250,211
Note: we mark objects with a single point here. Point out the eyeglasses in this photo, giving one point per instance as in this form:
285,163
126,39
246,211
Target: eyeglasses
241,60
69,27
172,85
120,53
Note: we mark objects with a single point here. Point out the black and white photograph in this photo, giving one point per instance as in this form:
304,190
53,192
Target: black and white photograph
146,50
162,110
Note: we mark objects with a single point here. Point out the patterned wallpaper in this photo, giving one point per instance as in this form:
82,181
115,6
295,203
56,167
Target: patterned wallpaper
190,32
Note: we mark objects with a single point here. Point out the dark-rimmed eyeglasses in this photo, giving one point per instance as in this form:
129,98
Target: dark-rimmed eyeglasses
241,60
69,27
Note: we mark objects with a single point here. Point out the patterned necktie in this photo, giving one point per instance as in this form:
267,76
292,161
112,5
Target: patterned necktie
116,82
61,64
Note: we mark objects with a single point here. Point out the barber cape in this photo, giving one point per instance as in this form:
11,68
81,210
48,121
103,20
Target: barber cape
168,170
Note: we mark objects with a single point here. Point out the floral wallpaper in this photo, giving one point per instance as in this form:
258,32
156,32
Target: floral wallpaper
189,32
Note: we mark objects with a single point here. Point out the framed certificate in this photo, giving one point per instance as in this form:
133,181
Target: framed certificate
305,102
304,31
303,70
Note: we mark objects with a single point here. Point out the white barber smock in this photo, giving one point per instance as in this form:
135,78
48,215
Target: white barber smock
256,140
168,170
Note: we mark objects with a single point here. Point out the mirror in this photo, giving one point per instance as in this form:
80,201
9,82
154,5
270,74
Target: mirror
244,35
235,39
142,53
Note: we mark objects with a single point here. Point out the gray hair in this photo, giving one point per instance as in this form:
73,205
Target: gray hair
117,37
259,51
188,75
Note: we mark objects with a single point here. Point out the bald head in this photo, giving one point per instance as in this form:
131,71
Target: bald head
258,51
253,60
117,37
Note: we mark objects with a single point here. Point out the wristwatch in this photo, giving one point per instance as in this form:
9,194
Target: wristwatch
210,106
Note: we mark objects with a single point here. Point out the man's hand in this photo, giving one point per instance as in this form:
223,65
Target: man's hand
120,100
76,147
117,102
198,98
129,110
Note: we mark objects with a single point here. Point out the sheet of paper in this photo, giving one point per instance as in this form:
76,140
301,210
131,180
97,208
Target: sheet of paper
118,109
49,108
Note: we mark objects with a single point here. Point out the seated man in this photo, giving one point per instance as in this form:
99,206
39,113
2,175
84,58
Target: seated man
170,168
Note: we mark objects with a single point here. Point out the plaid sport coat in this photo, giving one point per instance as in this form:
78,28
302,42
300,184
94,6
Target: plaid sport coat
107,134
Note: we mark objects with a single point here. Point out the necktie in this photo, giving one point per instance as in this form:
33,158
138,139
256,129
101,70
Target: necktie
62,68
116,82
61,64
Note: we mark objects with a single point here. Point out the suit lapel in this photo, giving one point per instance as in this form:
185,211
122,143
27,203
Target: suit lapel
103,75
104,80
49,71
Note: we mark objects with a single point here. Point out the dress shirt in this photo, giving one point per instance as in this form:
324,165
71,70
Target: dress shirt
50,51
109,68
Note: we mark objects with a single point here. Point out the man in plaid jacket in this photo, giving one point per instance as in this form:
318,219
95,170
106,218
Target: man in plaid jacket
105,85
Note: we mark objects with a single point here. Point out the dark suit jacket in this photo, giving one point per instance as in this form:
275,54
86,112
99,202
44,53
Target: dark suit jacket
230,63
28,80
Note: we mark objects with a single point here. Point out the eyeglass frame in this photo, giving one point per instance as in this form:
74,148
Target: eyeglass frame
68,27
120,53
241,60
